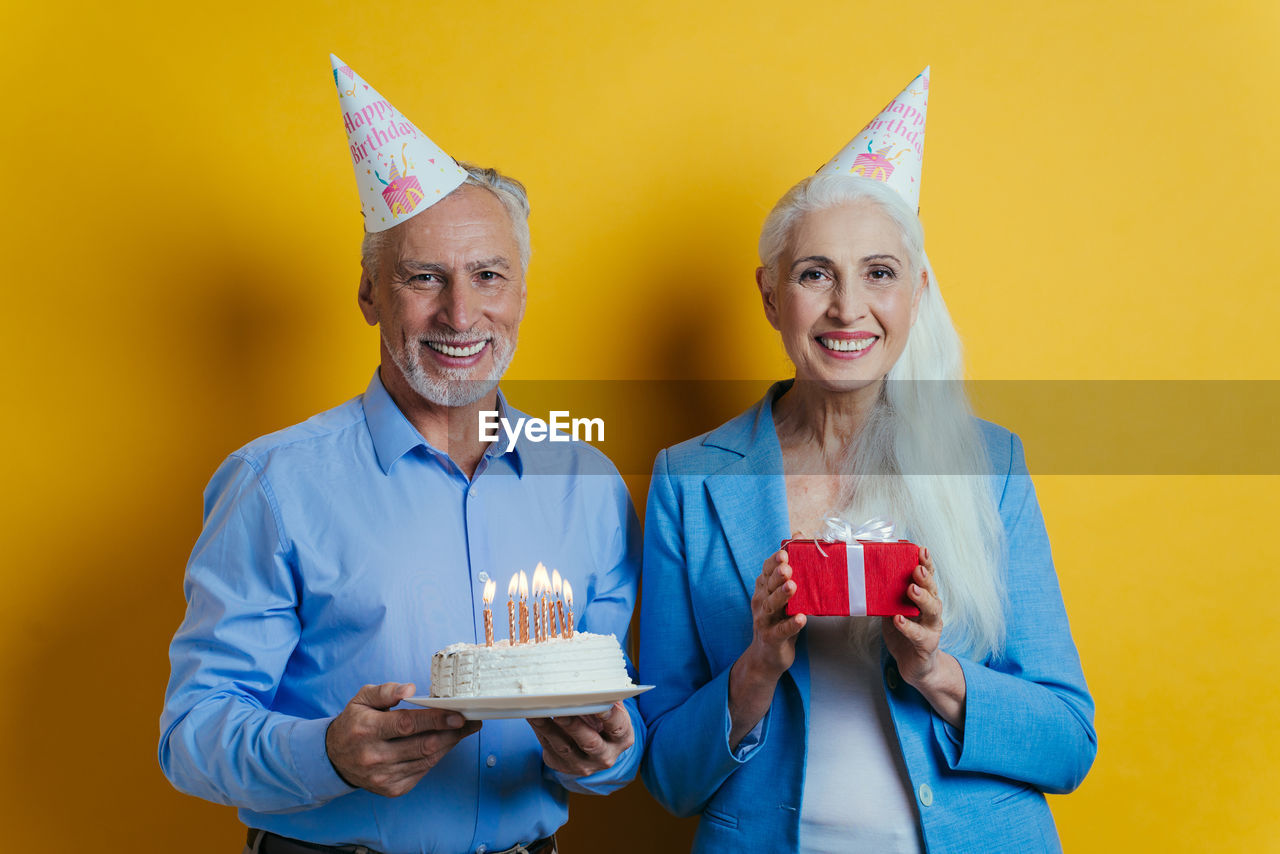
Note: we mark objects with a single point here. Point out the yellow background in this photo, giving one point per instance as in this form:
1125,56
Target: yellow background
180,246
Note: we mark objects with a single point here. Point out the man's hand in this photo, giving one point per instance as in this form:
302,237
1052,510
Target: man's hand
388,752
584,744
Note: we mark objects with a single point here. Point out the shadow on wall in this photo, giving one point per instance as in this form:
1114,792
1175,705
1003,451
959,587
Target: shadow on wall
224,345
686,342
105,646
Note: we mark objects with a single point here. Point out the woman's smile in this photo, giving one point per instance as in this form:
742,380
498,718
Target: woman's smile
847,345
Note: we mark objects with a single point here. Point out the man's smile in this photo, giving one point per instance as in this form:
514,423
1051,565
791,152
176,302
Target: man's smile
458,351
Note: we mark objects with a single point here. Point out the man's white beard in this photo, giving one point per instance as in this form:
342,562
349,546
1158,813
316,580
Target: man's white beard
451,386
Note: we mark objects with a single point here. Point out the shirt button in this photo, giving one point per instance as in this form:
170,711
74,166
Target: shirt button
480,849
926,795
891,677
491,760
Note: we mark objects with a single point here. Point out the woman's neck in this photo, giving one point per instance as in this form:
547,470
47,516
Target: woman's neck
822,421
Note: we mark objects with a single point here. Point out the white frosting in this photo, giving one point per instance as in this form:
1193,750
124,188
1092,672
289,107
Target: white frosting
585,662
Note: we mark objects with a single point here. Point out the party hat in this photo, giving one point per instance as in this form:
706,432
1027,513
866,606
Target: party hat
891,147
399,170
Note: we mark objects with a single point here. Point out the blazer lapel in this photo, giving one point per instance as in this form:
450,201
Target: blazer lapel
750,500
749,494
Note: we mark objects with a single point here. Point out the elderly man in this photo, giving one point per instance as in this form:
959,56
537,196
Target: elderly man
339,553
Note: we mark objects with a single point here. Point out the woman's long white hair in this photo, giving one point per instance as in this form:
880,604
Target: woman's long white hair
919,459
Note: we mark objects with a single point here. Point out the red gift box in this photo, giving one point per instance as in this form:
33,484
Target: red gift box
862,578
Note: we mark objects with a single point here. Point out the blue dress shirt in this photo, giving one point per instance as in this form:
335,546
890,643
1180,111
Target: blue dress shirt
345,551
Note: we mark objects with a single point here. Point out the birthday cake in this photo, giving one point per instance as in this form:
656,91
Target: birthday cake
556,665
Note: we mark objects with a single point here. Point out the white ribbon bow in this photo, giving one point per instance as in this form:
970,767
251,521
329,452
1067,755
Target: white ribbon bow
876,529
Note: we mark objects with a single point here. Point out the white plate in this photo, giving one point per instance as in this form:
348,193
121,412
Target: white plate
529,705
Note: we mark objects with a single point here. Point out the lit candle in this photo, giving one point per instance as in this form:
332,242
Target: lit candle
556,590
512,589
536,588
490,587
542,583
546,614
524,608
568,609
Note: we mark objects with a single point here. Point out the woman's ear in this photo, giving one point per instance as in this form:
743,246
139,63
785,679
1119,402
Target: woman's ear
768,295
915,300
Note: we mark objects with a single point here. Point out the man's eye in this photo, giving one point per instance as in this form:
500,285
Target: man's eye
424,279
487,276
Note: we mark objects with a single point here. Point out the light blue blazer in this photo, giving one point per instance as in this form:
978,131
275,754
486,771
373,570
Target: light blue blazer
717,508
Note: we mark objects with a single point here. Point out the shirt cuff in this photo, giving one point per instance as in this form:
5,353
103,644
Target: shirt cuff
606,780
949,739
311,760
751,742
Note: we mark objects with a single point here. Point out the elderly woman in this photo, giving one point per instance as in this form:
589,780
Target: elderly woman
794,733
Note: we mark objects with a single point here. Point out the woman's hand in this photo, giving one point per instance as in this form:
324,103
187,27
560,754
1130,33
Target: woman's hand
913,643
773,631
756,673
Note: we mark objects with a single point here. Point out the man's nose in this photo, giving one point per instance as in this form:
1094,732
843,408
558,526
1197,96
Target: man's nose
460,306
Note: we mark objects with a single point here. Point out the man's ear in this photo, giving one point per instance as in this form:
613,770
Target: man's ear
365,297
768,296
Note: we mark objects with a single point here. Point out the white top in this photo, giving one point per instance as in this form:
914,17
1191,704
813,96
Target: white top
857,796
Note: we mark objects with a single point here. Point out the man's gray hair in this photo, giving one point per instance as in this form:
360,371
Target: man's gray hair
510,192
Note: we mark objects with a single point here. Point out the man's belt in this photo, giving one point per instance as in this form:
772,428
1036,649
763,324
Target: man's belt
265,842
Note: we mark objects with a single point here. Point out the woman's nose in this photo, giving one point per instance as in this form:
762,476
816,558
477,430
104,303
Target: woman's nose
848,303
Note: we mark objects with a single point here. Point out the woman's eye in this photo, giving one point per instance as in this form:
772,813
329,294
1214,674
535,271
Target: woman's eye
881,274
811,277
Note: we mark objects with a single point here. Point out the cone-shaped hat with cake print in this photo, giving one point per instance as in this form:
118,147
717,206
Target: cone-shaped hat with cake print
891,147
399,170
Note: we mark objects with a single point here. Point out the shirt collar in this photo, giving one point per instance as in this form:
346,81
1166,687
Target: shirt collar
393,436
